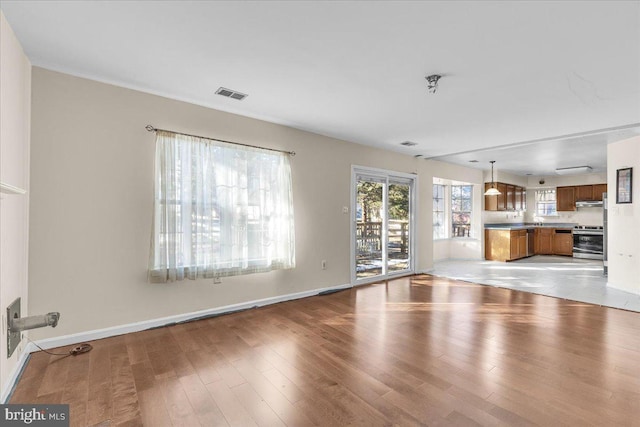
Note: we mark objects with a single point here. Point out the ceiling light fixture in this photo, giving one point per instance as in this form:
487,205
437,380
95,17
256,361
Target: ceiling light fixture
432,82
573,170
492,191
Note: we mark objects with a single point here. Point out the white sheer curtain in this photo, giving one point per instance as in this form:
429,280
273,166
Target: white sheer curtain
220,210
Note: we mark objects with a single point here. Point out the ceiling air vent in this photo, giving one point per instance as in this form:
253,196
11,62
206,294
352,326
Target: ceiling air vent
231,93
408,143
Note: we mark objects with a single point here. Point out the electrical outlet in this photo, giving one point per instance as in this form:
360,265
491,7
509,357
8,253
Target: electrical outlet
324,264
217,280
345,209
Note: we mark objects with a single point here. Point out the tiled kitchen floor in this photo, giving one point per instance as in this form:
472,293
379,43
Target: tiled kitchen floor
556,276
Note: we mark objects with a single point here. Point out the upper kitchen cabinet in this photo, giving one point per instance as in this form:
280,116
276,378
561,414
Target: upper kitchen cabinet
521,199
511,198
566,199
598,189
584,192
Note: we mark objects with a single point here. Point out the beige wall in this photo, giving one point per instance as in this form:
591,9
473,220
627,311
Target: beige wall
15,95
91,199
624,219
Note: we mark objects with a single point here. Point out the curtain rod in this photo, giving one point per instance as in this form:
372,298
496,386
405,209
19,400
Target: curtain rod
153,129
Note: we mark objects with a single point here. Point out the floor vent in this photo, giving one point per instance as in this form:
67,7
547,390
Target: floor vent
231,93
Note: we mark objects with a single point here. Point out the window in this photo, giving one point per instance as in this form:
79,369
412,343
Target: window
219,210
461,210
439,224
546,202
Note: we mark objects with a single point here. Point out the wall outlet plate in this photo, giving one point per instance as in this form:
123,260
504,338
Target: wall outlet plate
13,338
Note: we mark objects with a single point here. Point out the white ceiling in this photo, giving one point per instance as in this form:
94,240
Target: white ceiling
514,72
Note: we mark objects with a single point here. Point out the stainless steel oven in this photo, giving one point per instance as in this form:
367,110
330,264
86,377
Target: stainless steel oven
588,242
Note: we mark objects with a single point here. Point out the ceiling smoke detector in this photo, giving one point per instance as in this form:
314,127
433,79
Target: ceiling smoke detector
432,82
231,93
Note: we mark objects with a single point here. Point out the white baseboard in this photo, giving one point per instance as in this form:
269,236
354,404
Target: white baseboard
17,370
163,321
147,324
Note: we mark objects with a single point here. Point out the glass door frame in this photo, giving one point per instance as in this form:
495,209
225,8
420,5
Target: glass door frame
387,177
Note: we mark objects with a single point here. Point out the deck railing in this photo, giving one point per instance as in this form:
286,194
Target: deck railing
369,236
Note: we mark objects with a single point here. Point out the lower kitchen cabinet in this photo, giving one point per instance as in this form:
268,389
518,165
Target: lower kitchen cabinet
505,245
544,241
509,245
563,242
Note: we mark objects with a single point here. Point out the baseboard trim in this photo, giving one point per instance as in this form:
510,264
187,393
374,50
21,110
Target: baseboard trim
97,334
10,385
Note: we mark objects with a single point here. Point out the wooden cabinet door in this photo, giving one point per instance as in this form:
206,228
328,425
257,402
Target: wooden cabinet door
497,245
514,245
565,199
502,197
511,197
544,241
519,205
584,192
598,189
522,243
563,242
490,202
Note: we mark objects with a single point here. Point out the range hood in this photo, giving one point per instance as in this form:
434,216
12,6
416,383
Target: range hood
589,204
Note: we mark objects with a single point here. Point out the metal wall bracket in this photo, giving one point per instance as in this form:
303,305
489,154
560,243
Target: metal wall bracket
13,337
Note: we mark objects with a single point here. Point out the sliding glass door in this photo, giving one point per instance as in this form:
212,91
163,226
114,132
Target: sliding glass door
382,232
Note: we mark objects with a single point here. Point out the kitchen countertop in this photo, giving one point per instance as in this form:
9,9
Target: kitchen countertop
524,226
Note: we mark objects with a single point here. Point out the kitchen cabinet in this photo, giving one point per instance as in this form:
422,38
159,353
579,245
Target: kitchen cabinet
584,192
598,189
520,199
562,241
509,245
490,202
505,245
502,197
522,244
544,241
511,198
565,199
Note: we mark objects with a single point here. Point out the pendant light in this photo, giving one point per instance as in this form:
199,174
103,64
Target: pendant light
492,191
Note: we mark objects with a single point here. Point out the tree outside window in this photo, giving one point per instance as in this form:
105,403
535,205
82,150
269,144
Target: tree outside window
461,210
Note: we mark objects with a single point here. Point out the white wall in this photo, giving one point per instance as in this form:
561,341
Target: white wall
91,204
460,247
624,219
15,95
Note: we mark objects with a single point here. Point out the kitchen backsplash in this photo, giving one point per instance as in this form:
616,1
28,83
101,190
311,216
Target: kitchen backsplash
583,216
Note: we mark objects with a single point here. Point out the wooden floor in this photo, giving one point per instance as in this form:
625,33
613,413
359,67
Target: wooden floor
413,351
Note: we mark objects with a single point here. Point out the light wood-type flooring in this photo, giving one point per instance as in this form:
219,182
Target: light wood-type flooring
413,351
